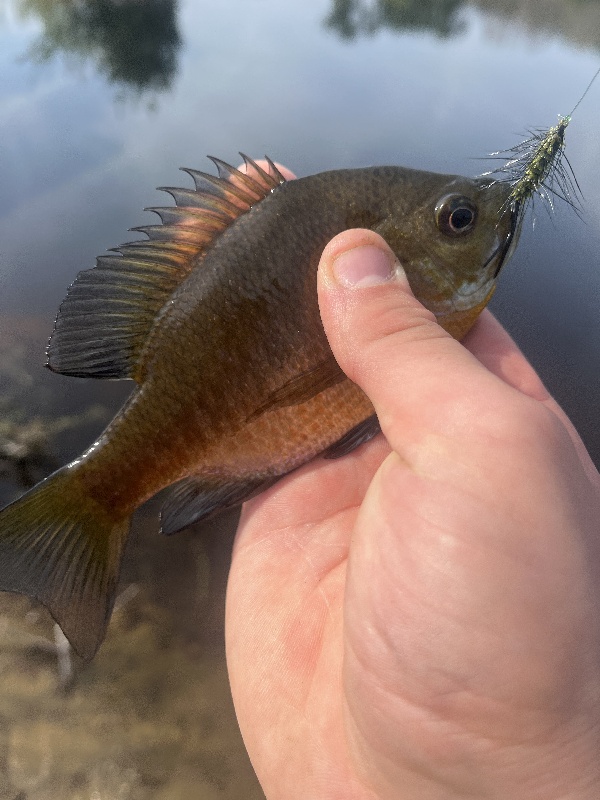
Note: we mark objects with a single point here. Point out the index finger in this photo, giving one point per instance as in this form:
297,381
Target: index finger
495,349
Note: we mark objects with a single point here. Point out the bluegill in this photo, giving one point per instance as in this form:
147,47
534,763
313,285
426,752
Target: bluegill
215,318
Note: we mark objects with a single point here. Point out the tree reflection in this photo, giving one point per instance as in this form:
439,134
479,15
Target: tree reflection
351,18
577,21
133,43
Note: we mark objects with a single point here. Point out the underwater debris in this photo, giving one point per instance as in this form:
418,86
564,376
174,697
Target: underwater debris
25,444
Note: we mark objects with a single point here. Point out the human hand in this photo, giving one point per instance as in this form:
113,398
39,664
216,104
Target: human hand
421,619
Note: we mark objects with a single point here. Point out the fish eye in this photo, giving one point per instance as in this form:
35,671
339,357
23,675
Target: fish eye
455,215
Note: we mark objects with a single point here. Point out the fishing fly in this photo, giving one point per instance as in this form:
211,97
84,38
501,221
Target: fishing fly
538,165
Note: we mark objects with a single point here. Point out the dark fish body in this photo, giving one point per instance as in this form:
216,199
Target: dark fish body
216,319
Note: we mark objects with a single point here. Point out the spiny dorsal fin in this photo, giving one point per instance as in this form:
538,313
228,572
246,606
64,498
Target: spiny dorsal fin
109,310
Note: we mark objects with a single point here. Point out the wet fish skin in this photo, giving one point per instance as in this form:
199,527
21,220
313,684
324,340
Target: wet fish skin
236,383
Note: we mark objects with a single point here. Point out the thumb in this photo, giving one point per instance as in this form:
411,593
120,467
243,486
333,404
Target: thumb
466,593
422,382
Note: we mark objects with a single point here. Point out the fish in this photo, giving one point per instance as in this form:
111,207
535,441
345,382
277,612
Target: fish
214,317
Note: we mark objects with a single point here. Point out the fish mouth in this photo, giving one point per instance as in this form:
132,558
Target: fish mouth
500,255
506,248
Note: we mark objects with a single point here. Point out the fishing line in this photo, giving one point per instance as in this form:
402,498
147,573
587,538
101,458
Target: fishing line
589,86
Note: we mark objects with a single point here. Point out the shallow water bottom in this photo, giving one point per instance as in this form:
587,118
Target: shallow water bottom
151,717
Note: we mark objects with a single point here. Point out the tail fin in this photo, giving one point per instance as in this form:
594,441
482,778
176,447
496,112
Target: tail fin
61,547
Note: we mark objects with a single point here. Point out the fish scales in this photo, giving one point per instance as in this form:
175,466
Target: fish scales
248,282
216,319
250,304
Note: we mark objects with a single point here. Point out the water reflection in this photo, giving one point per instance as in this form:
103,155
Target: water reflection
350,18
29,439
134,44
575,20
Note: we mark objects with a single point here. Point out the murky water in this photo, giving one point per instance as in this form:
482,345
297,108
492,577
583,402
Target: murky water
100,101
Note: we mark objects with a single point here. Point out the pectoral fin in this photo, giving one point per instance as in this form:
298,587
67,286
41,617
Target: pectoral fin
303,387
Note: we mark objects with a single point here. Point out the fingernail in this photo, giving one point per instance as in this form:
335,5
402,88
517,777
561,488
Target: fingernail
365,266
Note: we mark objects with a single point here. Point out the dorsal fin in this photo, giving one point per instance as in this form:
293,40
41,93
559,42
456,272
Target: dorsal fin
109,310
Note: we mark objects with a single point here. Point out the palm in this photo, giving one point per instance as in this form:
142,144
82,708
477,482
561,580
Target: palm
288,575
350,639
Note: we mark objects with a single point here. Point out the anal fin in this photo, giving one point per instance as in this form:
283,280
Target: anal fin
195,498
199,497
361,433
